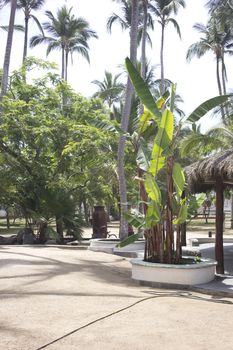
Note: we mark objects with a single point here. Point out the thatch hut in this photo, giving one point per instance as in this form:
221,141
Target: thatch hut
213,173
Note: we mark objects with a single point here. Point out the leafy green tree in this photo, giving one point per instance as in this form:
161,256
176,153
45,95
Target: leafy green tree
50,153
68,33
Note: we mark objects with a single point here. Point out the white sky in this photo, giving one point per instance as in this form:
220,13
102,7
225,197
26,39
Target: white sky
196,81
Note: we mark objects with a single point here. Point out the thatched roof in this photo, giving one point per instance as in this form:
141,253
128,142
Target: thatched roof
202,175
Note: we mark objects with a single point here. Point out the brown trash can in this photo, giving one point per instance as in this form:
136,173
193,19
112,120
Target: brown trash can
99,222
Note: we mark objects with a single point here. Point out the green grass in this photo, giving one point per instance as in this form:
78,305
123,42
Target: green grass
14,227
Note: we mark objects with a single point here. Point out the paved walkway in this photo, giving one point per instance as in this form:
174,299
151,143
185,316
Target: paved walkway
66,298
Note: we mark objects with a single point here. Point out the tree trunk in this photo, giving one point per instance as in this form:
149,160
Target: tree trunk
232,210
85,208
144,33
66,65
162,87
219,227
42,230
59,228
7,219
219,86
124,123
25,39
227,113
6,65
63,63
183,234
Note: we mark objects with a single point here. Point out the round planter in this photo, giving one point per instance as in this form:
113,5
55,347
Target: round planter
103,245
109,246
185,274
132,247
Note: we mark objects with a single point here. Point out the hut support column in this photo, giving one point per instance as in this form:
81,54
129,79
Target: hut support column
219,227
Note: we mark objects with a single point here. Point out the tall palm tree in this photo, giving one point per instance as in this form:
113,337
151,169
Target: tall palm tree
163,9
110,89
27,6
218,41
6,64
67,33
145,22
125,120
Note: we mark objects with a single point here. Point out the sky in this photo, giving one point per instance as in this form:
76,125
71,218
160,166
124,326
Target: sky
196,81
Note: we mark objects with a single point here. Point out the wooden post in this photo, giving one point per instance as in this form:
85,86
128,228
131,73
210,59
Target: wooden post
219,227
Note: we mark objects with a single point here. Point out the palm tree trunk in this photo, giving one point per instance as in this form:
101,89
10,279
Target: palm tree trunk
218,77
25,39
231,210
144,33
223,75
66,65
161,60
125,121
224,82
63,63
219,86
6,65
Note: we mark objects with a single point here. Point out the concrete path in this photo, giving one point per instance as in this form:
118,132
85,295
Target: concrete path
66,298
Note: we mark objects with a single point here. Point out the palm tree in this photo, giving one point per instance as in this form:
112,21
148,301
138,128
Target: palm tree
6,64
68,34
221,6
215,40
125,120
163,9
27,6
145,22
110,89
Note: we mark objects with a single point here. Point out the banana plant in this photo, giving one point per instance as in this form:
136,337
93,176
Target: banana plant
164,178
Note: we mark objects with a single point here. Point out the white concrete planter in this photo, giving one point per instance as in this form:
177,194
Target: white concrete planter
109,246
133,247
186,274
103,245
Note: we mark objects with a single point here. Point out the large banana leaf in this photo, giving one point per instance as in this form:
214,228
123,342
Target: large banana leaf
152,188
207,106
178,178
143,155
153,215
129,240
145,119
142,90
162,141
183,213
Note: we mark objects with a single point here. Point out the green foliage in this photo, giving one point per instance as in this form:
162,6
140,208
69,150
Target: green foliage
142,90
163,148
178,178
128,240
53,161
207,106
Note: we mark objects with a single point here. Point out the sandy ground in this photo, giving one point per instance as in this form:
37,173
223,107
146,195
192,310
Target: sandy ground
78,299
